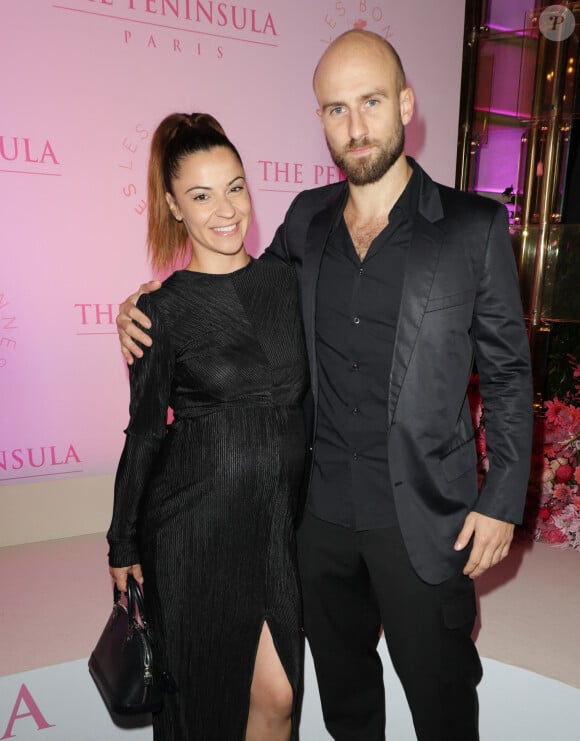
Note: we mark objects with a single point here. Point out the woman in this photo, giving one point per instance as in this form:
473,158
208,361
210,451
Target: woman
204,508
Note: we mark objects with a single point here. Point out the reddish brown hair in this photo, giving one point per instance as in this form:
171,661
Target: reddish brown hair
176,137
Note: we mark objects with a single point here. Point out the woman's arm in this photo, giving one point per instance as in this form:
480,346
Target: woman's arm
150,381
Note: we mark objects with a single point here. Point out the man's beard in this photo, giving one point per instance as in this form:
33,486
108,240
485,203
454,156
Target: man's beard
369,169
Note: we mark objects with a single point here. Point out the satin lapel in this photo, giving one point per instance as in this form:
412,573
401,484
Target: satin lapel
420,267
316,239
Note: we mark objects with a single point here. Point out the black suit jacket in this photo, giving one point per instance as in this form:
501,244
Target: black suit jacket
460,302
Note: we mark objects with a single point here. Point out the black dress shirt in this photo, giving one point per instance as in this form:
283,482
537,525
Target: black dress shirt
356,318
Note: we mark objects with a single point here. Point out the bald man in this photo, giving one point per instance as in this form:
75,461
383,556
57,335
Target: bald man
405,284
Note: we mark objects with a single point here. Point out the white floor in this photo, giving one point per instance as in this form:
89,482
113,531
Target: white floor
515,705
529,612
56,596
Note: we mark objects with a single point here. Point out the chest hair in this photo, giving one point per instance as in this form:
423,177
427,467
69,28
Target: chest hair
363,233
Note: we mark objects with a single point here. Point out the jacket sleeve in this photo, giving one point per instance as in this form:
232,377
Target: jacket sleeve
503,363
279,248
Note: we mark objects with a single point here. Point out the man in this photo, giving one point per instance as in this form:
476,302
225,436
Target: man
405,283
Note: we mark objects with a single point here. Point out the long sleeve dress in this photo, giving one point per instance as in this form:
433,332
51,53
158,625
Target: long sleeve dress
208,504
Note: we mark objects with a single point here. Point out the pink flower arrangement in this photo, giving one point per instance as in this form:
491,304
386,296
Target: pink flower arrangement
553,511
553,507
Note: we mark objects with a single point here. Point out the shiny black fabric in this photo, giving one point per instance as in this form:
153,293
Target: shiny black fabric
208,507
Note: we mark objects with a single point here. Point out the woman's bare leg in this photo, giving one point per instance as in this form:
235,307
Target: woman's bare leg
271,697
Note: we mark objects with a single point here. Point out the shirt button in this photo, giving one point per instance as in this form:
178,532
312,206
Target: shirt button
361,271
355,456
356,320
355,366
356,410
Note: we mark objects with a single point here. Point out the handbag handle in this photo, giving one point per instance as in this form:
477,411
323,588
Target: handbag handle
134,599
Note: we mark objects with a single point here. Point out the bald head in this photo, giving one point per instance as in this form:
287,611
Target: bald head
364,105
357,44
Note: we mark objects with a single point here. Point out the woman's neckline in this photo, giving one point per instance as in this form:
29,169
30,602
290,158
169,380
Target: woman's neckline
250,262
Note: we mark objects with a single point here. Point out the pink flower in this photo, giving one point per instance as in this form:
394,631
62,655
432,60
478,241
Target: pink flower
549,449
554,409
554,536
567,451
562,421
577,474
561,491
547,472
574,413
544,513
564,473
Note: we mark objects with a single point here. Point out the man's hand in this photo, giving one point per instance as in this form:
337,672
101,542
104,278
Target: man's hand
128,331
491,542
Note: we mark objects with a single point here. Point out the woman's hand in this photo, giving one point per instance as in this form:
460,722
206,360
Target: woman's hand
119,574
128,330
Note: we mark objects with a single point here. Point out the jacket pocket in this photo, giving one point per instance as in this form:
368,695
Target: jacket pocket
460,460
446,302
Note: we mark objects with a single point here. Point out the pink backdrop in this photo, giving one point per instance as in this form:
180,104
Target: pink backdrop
84,83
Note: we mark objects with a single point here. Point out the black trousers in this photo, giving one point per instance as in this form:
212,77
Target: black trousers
354,582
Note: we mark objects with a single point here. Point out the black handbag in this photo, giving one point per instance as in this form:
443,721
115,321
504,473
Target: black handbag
122,663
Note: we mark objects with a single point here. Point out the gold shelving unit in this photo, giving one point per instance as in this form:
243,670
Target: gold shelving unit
520,88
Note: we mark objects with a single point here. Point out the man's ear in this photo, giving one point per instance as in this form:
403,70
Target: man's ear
407,104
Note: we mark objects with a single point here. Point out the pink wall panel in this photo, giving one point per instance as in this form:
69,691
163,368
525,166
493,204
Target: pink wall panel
84,83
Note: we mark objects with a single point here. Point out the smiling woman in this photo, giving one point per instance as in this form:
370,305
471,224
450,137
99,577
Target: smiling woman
211,199
197,191
204,510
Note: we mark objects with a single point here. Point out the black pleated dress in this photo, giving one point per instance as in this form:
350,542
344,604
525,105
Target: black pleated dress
208,504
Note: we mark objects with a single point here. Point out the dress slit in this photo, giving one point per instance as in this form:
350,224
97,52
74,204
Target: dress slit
284,666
